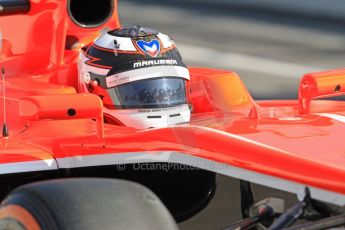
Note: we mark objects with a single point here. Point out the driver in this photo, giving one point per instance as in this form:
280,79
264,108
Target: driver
139,75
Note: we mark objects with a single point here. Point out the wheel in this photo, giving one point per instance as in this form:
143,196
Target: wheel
75,204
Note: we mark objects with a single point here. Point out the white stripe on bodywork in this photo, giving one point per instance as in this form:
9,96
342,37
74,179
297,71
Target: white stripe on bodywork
29,166
185,159
146,73
333,116
233,136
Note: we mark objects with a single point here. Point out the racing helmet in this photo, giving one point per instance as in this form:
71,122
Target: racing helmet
139,75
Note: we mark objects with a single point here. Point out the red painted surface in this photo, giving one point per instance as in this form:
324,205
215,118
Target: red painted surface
320,85
276,138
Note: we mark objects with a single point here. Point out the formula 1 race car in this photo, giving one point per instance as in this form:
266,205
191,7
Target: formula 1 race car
92,174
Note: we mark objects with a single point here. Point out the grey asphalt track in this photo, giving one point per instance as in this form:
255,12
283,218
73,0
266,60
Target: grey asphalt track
270,52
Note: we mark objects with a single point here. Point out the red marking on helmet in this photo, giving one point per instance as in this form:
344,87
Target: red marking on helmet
94,59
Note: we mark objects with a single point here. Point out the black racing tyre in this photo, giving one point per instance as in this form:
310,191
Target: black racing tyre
76,204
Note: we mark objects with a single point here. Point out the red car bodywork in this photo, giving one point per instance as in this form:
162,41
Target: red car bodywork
286,144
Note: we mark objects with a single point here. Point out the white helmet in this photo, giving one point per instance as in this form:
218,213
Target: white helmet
139,75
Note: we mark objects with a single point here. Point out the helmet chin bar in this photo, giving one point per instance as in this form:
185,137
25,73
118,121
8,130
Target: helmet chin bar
151,118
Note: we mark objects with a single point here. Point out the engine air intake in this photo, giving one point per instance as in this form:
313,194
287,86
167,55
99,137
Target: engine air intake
90,13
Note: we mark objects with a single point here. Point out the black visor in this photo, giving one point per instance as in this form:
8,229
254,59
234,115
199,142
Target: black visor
149,93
